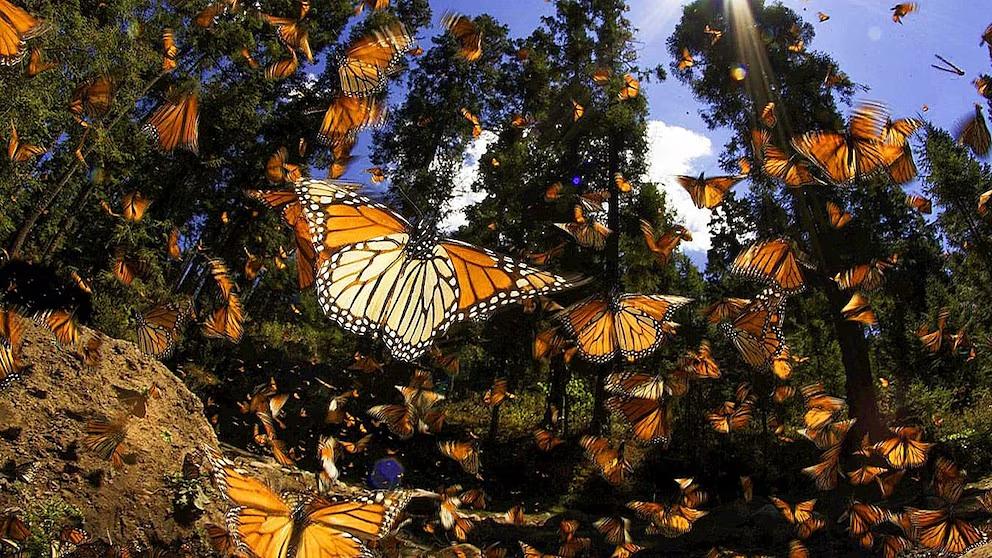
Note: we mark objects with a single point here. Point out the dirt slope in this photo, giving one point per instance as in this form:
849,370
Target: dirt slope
43,419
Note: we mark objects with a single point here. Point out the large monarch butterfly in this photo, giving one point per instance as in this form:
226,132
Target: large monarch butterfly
663,247
578,111
650,419
708,192
589,234
92,99
208,15
862,517
974,133
638,384
498,393
546,440
631,88
905,449
776,163
279,170
867,276
159,327
756,331
857,152
347,116
62,323
105,436
864,474
615,529
903,9
821,407
175,124
135,204
611,462
16,26
669,520
628,325
466,453
291,33
11,337
902,169
37,63
948,480
768,115
21,152
858,309
685,60
778,262
724,309
227,321
378,275
369,62
374,5
267,526
919,203
466,33
838,217
169,50
796,514
282,68
942,529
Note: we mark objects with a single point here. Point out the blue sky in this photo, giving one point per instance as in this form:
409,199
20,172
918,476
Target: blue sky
892,60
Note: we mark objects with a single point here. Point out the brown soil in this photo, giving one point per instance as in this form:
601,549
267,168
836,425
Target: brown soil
43,418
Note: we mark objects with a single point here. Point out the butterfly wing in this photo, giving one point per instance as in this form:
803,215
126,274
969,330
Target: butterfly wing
830,152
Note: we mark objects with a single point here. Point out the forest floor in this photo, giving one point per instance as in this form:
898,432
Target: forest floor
149,501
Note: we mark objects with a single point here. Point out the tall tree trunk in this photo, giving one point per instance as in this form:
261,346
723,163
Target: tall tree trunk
859,384
493,424
554,407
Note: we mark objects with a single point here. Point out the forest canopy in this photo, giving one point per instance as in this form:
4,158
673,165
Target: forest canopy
415,259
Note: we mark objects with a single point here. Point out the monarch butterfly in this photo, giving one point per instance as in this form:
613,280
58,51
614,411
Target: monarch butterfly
226,321
974,133
346,116
796,514
475,498
21,152
466,33
127,268
904,449
838,217
16,26
546,441
715,34
864,474
919,203
887,482
577,111
175,124
593,201
983,202
948,480
671,521
685,60
135,204
623,185
902,169
638,384
663,247
283,67
862,517
249,59
615,529
308,525
136,402
369,61
92,99
531,552
725,309
730,416
208,16
708,192
169,50
943,530
37,63
498,393
377,275
903,9
374,5
893,546
822,16
172,245
631,88
821,408
466,453
700,362
601,76
11,338
291,33
855,153
650,418
858,309
791,170
474,120
828,435
62,323
756,331
932,341
279,170
768,115
611,462
868,276
778,262
105,436
159,327
452,520
629,325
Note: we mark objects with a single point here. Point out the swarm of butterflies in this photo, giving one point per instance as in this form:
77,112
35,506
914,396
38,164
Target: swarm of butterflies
376,274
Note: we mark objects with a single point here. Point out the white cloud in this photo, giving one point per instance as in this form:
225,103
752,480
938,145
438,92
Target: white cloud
673,150
464,196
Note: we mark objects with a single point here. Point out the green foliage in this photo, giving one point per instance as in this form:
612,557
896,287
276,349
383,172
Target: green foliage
45,517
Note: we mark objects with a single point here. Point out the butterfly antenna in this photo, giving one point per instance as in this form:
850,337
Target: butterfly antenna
409,200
